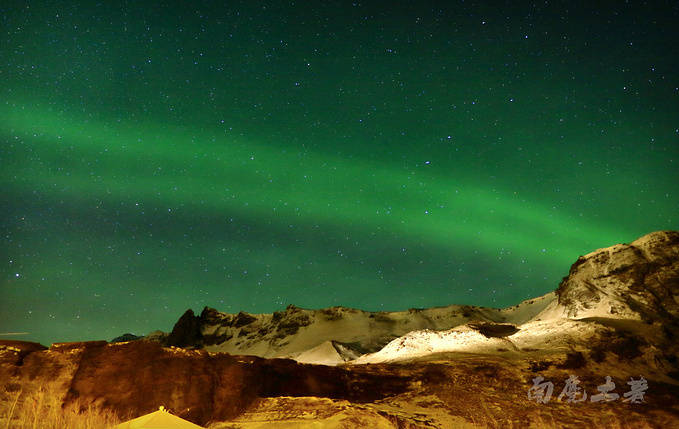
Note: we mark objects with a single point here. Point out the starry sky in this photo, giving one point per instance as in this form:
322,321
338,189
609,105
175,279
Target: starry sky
247,155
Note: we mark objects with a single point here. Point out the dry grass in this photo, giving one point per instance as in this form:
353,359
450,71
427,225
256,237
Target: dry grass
485,417
43,409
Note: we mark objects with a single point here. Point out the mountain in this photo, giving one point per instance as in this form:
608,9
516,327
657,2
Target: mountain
331,335
610,328
126,337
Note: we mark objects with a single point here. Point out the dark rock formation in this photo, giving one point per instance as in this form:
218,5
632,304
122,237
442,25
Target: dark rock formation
186,332
497,330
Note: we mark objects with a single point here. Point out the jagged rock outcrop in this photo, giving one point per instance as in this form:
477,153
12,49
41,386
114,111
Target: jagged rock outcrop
186,332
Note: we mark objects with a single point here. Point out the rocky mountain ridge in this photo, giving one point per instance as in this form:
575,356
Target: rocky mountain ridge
345,333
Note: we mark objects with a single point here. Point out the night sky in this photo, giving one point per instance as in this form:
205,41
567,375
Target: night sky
381,155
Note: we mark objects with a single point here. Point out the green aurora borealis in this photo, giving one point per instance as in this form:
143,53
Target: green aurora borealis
258,154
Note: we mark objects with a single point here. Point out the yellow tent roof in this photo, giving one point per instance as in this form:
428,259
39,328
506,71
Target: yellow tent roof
160,419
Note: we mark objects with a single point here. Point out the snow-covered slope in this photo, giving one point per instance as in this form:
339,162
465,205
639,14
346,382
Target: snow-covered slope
551,335
331,335
298,333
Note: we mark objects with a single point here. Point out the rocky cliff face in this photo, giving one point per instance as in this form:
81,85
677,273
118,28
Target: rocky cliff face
638,281
136,377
